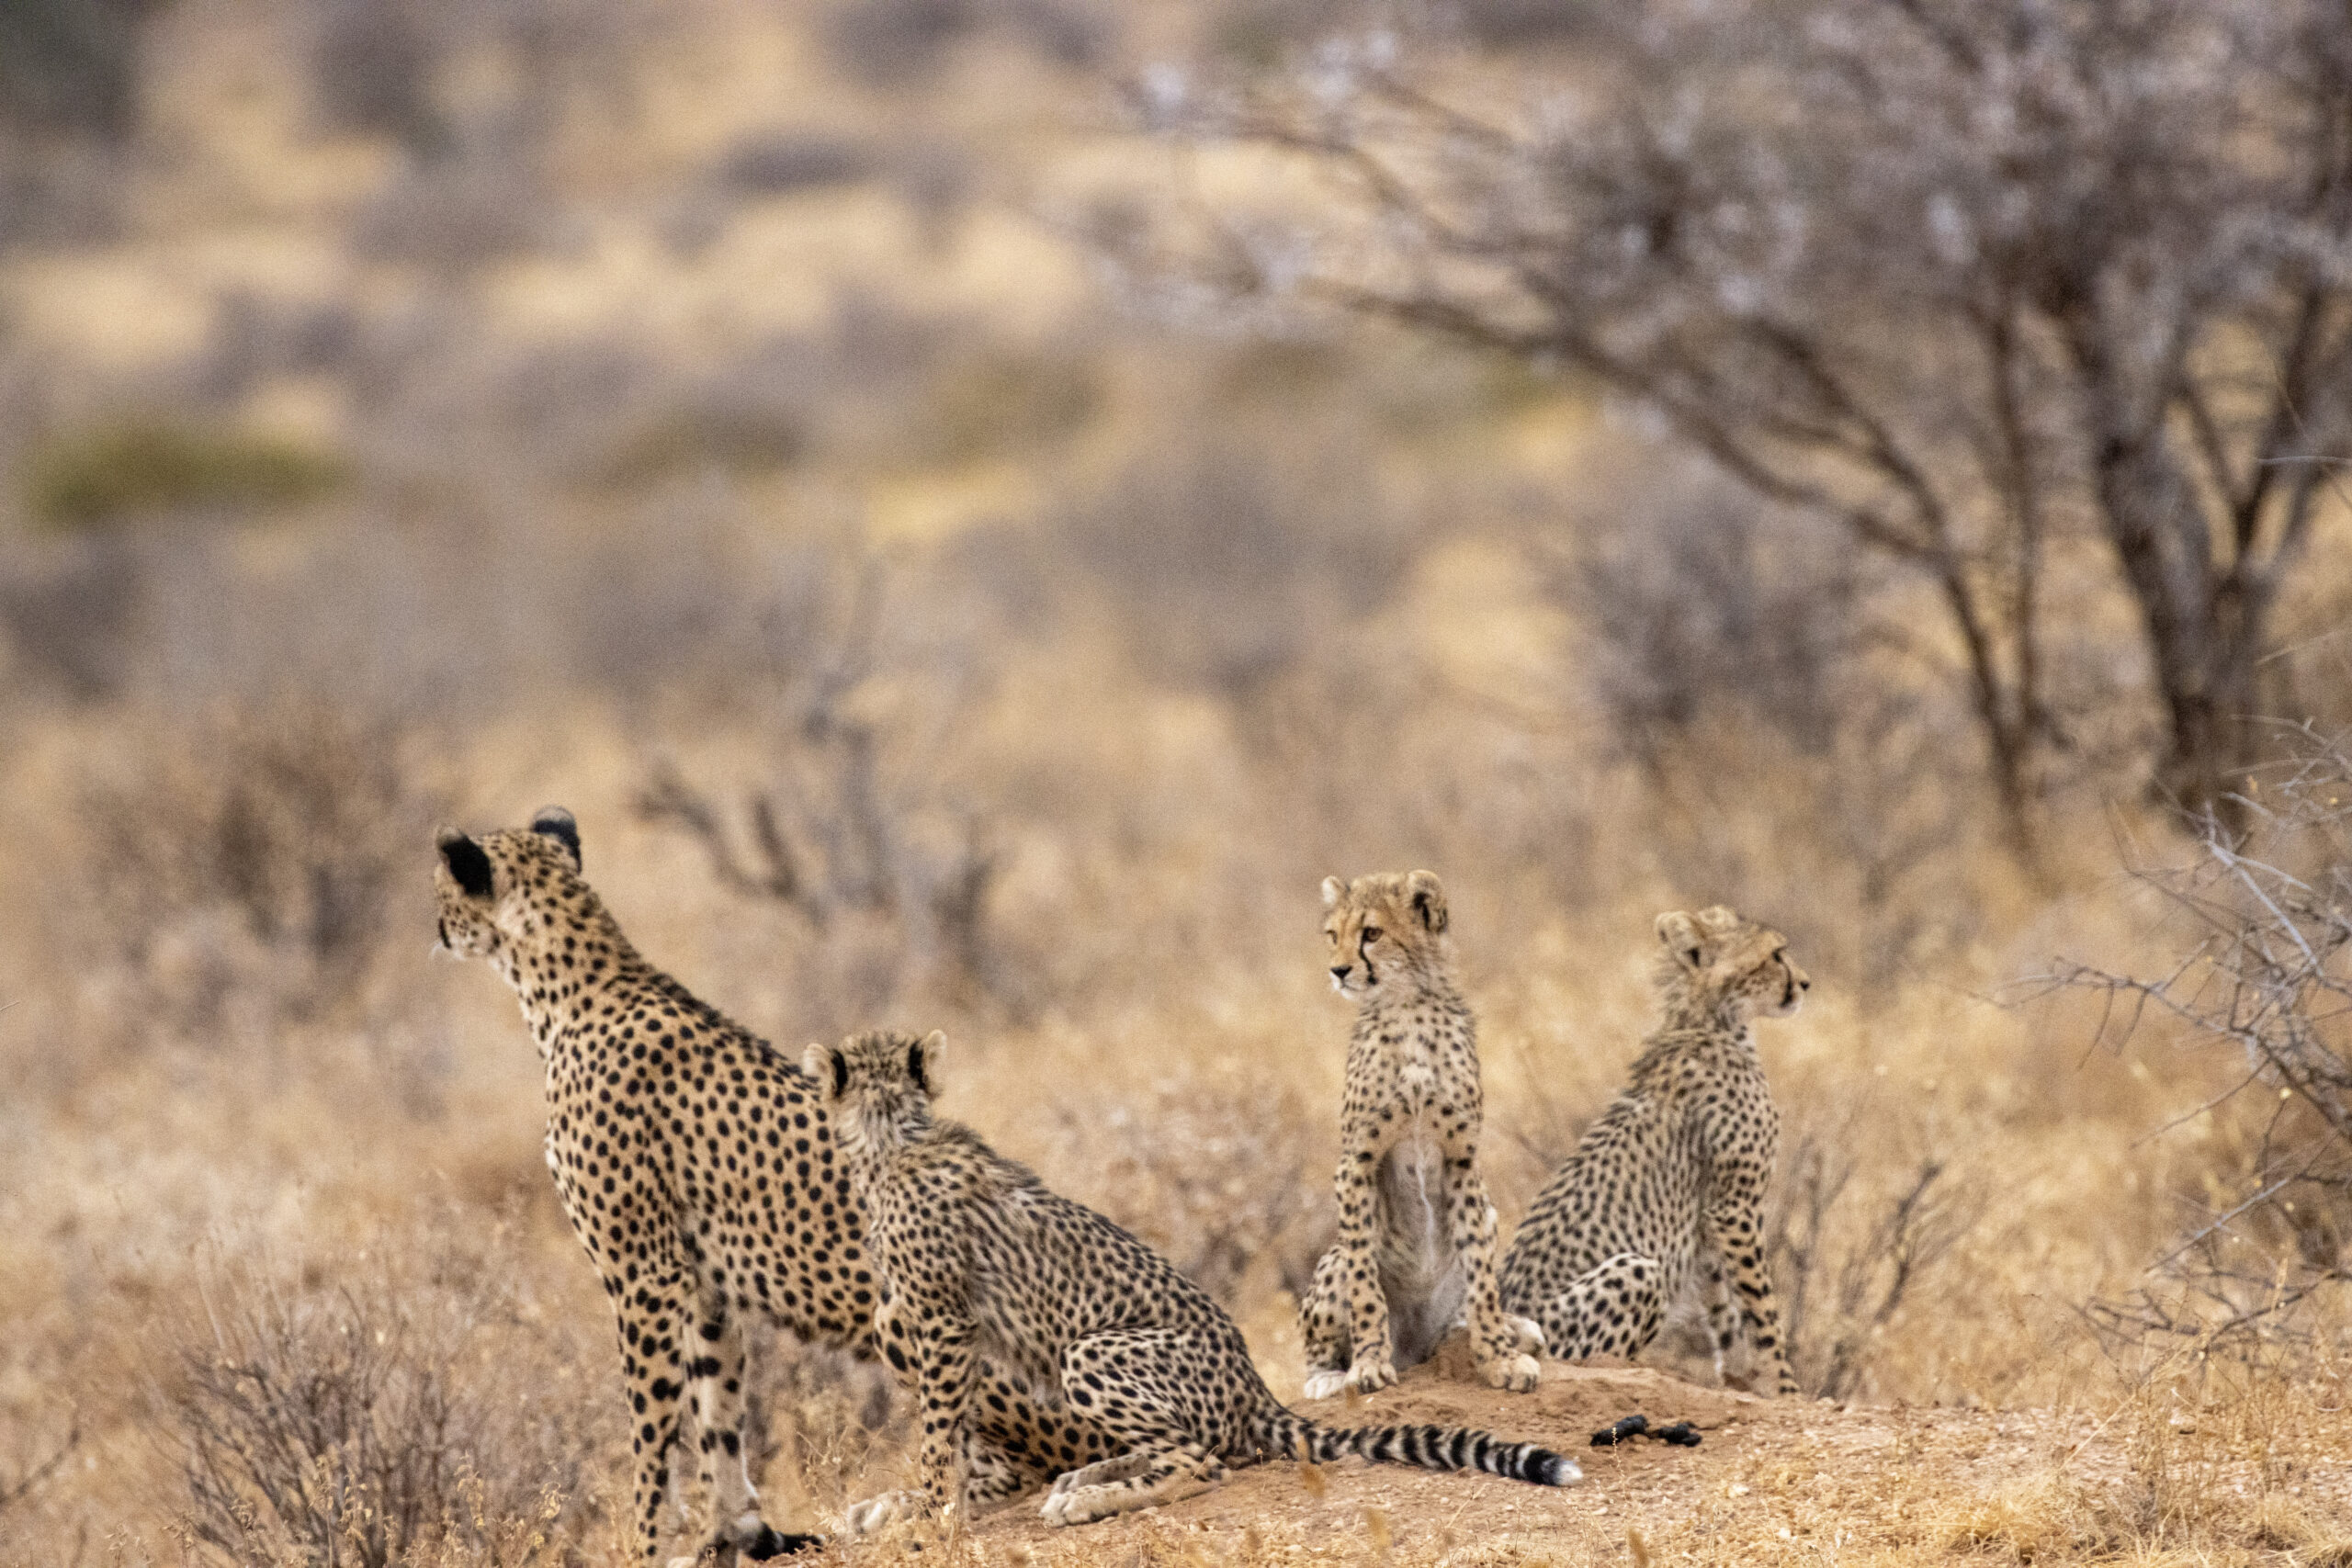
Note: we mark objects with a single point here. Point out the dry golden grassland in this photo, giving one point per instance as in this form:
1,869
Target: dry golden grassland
1065,656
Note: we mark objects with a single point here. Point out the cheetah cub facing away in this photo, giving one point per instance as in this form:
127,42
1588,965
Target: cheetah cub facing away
978,1258
1667,1189
1417,1234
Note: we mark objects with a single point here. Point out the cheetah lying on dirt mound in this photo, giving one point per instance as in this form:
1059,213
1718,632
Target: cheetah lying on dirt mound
1417,1234
977,1257
699,1169
1668,1185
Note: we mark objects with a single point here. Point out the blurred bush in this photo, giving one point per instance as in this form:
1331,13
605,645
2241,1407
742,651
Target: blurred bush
372,68
904,43
104,473
1222,564
1221,1171
71,66
780,163
239,865
367,1406
65,616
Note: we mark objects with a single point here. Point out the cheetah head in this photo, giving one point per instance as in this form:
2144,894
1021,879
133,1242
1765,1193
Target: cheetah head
1741,966
1382,927
496,890
878,1086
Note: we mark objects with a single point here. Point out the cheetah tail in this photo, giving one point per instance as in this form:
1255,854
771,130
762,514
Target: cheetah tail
1429,1447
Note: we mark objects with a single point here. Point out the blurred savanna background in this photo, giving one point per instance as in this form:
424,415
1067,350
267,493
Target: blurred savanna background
978,505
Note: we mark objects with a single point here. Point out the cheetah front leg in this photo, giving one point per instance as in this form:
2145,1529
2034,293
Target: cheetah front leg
942,1390
1735,1219
714,1384
1356,1189
1323,1326
1496,1339
649,1317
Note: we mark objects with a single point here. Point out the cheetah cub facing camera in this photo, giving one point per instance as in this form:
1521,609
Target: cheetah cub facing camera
1417,1234
976,1257
1667,1189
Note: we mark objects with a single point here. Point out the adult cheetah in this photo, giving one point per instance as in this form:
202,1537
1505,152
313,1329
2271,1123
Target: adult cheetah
1417,1234
698,1168
1666,1188
977,1257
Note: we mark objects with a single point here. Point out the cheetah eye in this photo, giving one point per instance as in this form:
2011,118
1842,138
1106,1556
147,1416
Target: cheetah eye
1372,934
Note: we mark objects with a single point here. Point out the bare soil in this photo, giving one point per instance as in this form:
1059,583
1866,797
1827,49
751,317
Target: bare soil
1772,1480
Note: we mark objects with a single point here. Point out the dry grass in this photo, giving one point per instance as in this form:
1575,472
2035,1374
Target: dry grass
1061,660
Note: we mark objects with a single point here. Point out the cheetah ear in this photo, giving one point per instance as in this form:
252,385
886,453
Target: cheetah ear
1428,900
1719,917
923,1060
466,862
828,1069
1682,935
557,824
1333,891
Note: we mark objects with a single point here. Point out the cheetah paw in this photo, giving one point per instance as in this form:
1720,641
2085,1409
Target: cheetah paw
1370,1374
1513,1374
1079,1505
1529,1333
1326,1383
880,1512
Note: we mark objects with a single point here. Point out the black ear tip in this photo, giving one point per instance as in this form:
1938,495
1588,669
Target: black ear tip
560,825
466,862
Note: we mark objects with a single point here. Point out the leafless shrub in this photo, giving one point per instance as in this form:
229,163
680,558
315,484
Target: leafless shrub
1845,1258
1730,647
250,863
818,1420
19,1481
1704,600
373,1405
854,830
2266,981
1965,282
1222,564
1214,1172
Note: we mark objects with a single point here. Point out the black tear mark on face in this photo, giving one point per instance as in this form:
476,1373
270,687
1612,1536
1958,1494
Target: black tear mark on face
914,1065
841,1075
468,864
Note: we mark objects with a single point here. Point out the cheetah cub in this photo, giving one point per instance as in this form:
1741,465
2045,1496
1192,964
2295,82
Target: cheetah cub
1417,1234
978,1258
1667,1189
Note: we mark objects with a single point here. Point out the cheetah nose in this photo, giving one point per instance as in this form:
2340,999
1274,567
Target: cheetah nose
1804,984
1339,971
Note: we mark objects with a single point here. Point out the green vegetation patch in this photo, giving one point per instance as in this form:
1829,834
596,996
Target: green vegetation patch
104,473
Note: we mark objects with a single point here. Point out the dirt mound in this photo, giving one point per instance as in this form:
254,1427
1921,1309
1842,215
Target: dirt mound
1778,1481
